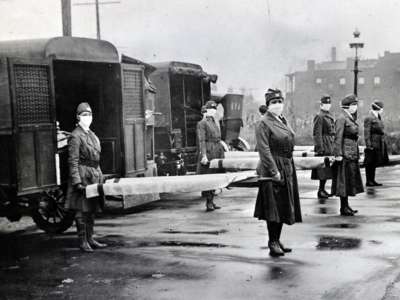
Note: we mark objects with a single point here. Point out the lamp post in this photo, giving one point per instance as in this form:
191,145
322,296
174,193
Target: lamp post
356,44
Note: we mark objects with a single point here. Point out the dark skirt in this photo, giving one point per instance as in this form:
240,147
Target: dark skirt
279,201
376,157
324,173
346,179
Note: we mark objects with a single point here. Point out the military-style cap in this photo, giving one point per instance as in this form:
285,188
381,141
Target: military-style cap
349,99
203,109
325,99
377,104
211,104
262,109
272,94
83,107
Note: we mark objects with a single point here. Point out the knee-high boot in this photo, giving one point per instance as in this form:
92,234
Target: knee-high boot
90,231
273,242
81,227
284,249
368,174
345,210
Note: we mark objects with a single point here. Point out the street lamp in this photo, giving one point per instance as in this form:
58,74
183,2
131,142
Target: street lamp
356,44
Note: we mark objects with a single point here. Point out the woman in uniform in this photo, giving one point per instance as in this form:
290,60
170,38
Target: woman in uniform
375,146
324,135
209,138
277,200
84,157
346,169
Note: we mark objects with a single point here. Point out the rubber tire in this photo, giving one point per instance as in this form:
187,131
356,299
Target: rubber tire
51,227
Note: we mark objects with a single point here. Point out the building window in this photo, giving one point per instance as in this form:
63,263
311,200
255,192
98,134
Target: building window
318,80
377,80
342,81
361,80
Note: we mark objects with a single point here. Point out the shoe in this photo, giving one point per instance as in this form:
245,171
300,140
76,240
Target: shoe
284,249
85,247
354,211
209,206
274,249
215,206
346,212
369,183
95,244
322,194
377,184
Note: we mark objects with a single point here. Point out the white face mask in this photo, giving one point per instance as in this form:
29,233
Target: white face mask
276,108
211,112
85,121
380,111
326,106
353,108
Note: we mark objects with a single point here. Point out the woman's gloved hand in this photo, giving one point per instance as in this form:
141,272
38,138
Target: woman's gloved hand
80,187
204,160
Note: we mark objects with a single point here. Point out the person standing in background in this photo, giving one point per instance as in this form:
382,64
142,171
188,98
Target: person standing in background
323,135
83,159
209,137
375,146
346,179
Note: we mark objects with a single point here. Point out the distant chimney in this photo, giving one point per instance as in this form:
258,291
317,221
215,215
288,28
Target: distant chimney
333,54
311,65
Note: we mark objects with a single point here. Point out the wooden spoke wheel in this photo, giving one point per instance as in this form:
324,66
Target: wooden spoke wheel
49,213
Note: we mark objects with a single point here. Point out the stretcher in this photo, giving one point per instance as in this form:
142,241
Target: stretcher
250,163
166,184
242,154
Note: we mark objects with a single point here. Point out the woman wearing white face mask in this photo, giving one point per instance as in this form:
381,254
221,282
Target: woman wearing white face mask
84,157
324,135
375,145
209,137
277,201
346,170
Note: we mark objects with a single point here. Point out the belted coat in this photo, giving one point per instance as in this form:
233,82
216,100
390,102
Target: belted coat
323,135
346,173
374,136
208,138
277,201
83,159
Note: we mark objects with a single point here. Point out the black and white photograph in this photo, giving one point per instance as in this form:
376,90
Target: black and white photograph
209,149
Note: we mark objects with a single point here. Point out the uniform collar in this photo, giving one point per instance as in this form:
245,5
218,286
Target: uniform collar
374,113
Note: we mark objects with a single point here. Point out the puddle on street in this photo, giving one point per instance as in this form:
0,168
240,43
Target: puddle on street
337,243
280,273
341,225
213,232
325,210
394,219
183,244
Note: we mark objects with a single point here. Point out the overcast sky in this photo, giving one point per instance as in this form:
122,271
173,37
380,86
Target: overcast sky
248,43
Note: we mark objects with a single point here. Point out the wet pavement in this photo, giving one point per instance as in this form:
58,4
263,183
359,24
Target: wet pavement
172,249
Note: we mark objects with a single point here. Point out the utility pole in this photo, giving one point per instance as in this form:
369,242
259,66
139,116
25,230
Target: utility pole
66,17
97,5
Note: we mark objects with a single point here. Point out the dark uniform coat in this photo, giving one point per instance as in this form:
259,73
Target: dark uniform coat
346,173
84,157
324,136
277,201
208,137
374,135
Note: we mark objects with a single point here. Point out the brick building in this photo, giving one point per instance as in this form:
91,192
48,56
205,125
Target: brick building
379,79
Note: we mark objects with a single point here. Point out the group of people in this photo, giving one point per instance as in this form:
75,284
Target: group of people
278,200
